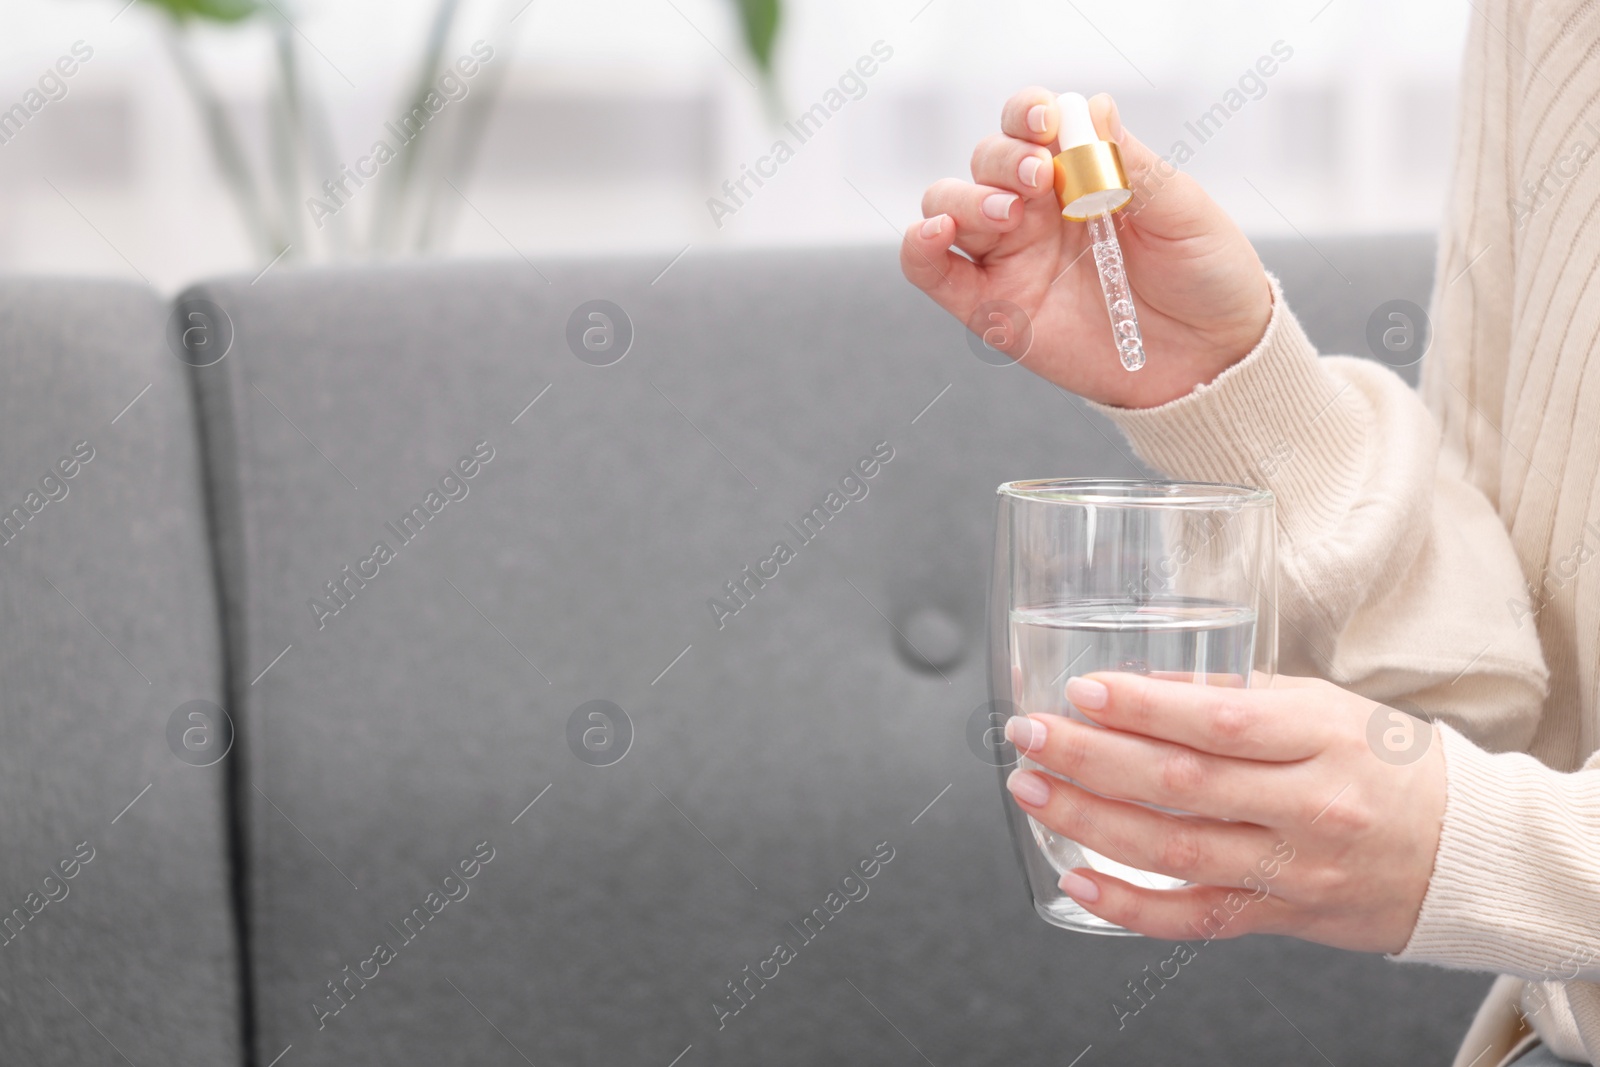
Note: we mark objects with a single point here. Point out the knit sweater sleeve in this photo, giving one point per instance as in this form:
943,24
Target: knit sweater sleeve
1395,578
1517,874
1394,573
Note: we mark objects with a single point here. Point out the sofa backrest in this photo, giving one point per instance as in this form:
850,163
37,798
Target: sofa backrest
117,932
595,628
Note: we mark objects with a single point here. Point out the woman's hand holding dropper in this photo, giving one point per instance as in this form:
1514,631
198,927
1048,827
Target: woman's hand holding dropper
1201,294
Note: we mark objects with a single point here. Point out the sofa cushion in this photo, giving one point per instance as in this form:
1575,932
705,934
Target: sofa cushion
556,594
118,930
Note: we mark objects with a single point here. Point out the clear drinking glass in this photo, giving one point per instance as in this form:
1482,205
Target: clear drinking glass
1164,578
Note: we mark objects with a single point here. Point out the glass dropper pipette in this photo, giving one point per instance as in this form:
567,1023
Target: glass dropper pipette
1090,186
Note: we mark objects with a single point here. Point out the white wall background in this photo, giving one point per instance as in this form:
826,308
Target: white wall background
623,116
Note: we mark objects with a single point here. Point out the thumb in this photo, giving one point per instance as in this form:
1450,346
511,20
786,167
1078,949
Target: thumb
1166,201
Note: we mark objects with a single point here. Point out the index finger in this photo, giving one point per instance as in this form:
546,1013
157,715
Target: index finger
1031,115
1256,724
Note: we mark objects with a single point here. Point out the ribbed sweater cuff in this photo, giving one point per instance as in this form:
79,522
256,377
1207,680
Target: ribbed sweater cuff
1276,419
1516,882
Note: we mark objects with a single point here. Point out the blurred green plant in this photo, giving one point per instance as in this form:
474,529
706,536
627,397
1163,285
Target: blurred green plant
759,20
215,10
408,214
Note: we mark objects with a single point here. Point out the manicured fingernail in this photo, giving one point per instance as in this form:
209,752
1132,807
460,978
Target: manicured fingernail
1078,887
934,227
1028,171
1037,117
1027,734
998,205
1028,788
1087,693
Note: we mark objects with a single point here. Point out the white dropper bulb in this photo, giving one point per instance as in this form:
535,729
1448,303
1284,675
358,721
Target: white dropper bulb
1077,125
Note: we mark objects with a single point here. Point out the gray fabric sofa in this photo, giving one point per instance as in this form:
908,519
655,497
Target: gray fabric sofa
425,841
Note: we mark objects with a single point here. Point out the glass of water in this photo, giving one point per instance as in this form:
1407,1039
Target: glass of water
1169,579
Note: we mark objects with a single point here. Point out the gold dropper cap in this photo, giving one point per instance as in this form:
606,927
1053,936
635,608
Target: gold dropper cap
1089,174
1090,179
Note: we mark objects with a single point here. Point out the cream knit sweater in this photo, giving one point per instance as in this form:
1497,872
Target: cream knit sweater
1441,548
